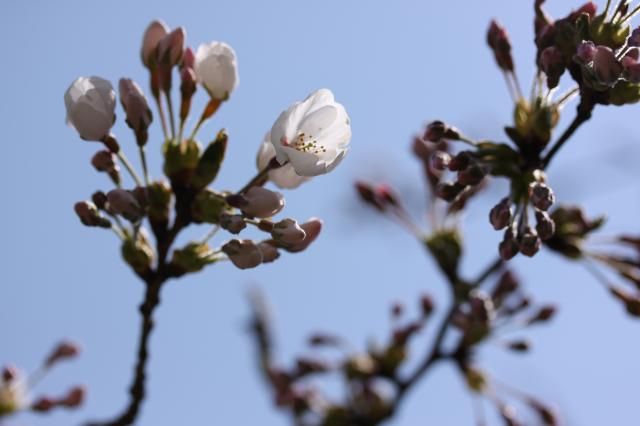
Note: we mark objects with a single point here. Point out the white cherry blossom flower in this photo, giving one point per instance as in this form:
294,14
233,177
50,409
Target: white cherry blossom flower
284,177
312,135
216,69
91,104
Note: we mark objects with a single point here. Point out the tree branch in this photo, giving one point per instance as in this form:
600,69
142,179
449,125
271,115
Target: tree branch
585,107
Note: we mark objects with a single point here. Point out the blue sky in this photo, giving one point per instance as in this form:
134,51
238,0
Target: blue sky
394,65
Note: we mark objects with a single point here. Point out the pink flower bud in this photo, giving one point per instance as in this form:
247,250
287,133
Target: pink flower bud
74,398
605,65
508,247
89,215
232,223
123,202
552,63
500,214
387,196
43,404
439,160
288,232
64,350
369,195
545,226
269,252
631,66
9,373
171,47
312,229
188,58
105,161
585,52
634,38
498,41
529,243
262,202
541,196
135,106
155,32
244,254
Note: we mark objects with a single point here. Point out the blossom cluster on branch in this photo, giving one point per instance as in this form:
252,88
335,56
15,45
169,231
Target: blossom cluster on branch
599,53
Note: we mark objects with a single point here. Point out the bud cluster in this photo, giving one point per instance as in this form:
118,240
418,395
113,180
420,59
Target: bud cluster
15,387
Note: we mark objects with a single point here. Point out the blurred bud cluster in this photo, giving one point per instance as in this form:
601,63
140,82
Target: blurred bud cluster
16,388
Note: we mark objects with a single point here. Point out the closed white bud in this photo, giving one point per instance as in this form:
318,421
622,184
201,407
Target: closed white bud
244,254
91,104
262,202
216,68
288,232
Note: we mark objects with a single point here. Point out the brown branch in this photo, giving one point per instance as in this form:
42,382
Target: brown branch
584,110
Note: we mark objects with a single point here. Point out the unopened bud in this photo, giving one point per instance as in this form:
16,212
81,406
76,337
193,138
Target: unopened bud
498,41
312,229
188,86
481,306
426,305
369,195
262,202
105,161
547,415
529,243
545,226
552,63
519,346
171,47
544,314
288,232
631,303
541,196
99,198
439,160
9,373
138,253
89,215
472,175
138,113
508,247
448,191
123,202
64,350
44,404
631,66
233,223
634,38
606,66
397,309
269,252
153,34
74,398
585,52
437,130
193,257
500,214
244,254
188,58
460,162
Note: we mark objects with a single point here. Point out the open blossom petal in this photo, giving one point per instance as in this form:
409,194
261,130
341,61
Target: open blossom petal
216,68
91,103
284,177
312,135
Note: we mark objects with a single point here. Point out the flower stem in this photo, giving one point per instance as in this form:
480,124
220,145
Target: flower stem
129,167
172,118
143,160
583,114
163,119
261,176
210,234
630,15
209,110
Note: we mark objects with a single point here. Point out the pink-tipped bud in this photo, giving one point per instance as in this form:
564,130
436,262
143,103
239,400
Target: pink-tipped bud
312,229
544,314
498,41
439,160
545,226
288,232
552,63
188,58
529,243
387,195
171,47
269,252
262,202
89,215
244,254
188,84
74,398
500,214
437,130
448,191
9,373
233,223
541,196
369,195
64,350
585,52
605,65
137,109
105,161
155,32
44,404
123,202
632,66
508,247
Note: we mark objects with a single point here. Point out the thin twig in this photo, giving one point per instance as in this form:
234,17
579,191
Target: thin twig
583,114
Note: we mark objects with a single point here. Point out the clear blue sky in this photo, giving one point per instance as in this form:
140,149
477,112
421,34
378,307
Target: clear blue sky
394,65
